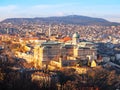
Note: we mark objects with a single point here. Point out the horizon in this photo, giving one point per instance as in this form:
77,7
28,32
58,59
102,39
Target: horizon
55,16
106,9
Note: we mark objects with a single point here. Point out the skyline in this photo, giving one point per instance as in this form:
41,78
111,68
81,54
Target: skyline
107,9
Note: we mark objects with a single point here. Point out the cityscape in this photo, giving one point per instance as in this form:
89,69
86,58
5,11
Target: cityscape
61,52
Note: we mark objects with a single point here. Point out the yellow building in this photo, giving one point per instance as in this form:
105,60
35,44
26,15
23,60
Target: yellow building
50,50
83,52
93,63
37,57
76,49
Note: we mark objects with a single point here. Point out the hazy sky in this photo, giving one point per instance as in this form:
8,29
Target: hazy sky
108,9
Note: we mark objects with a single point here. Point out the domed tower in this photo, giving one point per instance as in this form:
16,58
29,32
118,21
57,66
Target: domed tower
75,38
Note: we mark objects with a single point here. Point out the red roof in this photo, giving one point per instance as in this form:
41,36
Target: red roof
65,39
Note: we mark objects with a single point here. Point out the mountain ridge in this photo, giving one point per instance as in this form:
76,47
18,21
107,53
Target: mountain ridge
70,19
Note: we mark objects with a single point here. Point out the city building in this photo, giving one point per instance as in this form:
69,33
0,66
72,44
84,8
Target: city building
72,51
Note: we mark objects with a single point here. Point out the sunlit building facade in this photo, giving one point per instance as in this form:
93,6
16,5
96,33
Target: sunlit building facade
76,49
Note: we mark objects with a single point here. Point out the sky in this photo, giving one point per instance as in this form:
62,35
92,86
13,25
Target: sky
107,9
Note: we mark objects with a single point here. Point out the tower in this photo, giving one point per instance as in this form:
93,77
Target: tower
75,38
49,31
37,57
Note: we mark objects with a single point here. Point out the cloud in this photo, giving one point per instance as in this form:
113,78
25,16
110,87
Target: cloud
42,6
60,14
43,10
8,8
53,6
113,18
7,11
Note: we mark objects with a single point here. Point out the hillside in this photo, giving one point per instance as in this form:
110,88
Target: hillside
71,19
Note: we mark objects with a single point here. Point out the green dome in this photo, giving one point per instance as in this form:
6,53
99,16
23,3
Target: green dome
76,35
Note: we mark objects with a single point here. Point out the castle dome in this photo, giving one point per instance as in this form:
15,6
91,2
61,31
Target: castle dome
76,35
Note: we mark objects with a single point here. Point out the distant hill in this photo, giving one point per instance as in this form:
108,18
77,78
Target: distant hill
71,19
